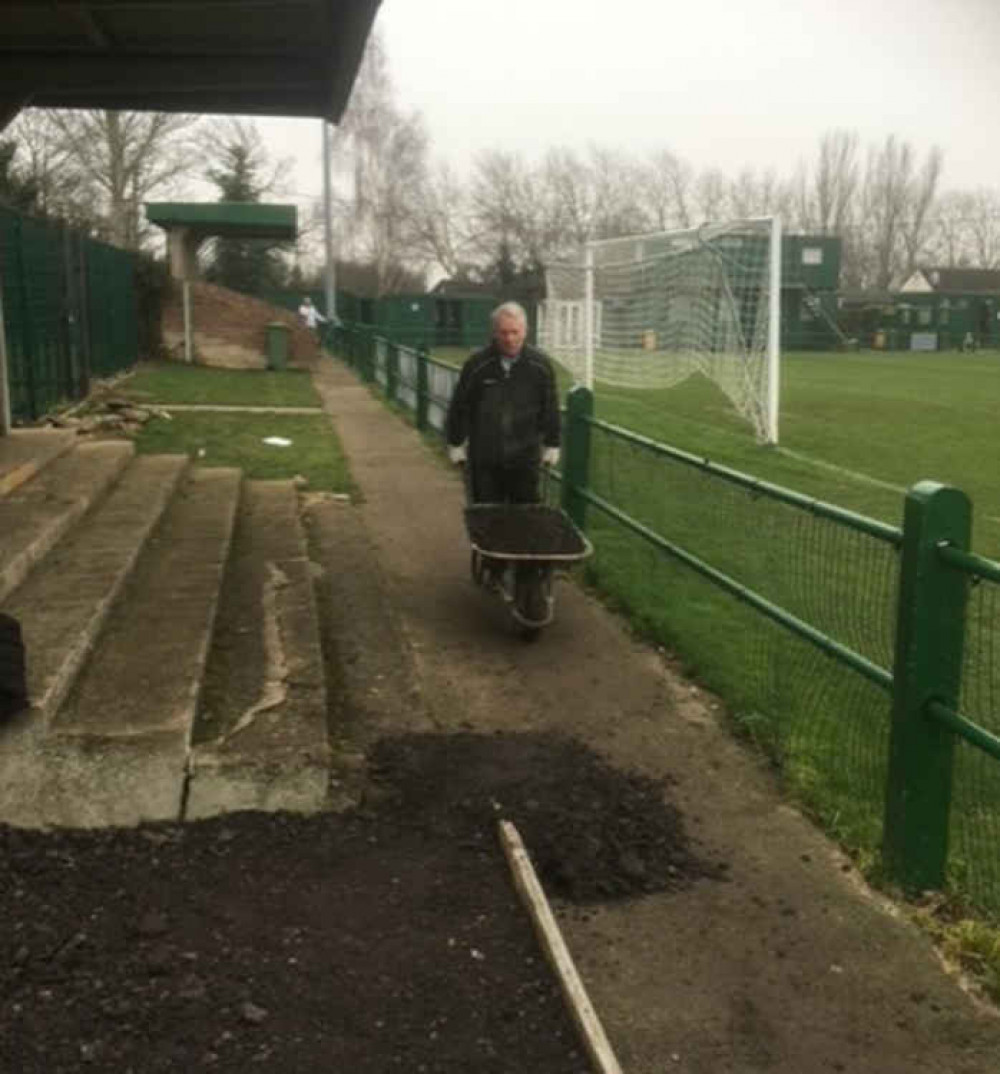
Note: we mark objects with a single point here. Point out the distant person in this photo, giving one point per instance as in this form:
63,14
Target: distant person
969,343
503,419
311,317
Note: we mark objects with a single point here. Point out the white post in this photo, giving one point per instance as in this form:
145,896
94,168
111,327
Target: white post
5,420
331,291
774,333
188,341
588,319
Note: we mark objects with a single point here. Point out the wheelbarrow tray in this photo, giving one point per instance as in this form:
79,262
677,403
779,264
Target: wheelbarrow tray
525,532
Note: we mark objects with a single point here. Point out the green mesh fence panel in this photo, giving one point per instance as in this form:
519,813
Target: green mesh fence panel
826,725
974,861
69,310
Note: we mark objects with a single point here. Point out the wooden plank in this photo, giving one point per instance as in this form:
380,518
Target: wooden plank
533,896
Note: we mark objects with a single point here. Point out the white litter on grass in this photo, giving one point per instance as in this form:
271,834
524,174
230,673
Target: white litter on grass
277,441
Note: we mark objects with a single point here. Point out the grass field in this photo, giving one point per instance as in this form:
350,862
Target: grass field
855,429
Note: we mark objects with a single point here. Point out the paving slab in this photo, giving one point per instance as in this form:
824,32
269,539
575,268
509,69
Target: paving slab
262,739
124,731
35,515
25,452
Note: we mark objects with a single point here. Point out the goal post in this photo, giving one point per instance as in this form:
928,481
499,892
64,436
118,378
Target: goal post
649,311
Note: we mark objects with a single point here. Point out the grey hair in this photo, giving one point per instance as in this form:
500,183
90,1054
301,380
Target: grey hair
509,309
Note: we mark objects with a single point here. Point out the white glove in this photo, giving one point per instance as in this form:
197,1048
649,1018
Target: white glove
457,454
550,456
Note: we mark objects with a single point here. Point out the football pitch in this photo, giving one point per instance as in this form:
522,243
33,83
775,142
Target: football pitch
856,429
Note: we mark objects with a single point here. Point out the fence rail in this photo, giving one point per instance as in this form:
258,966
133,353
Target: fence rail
914,763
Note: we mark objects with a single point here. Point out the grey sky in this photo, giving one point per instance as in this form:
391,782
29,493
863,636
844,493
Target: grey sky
729,83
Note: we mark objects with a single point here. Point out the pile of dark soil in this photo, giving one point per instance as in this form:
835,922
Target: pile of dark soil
388,938
523,529
594,833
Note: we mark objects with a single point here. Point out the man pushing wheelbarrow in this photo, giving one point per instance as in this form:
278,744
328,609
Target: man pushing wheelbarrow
503,426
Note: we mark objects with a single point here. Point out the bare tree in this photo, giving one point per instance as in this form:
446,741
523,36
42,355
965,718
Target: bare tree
441,222
711,196
832,197
383,153
119,159
665,190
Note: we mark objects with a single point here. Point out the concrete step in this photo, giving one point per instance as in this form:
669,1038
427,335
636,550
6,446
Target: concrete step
25,452
121,740
261,739
63,604
39,512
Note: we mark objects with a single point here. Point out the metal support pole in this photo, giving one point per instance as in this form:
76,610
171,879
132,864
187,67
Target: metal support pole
576,453
330,272
930,635
423,388
5,417
188,333
774,333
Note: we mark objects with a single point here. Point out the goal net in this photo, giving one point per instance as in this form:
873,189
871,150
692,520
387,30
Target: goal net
650,310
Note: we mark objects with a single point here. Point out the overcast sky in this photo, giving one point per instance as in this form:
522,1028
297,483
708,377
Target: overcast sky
726,83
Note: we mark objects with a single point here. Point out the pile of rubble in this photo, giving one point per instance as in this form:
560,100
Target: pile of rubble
107,414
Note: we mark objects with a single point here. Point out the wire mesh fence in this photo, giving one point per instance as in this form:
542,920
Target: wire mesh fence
825,726
69,307
974,861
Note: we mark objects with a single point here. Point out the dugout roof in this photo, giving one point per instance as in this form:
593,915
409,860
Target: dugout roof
246,57
231,220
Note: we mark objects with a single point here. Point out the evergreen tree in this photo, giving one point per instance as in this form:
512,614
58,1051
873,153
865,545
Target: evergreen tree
240,171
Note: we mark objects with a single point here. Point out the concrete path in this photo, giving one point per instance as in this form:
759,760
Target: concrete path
790,966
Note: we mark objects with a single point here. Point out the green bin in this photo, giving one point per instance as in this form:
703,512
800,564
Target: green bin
277,345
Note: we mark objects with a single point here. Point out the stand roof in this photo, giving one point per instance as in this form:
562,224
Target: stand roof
248,57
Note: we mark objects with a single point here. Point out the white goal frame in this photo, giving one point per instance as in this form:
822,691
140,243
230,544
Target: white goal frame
575,325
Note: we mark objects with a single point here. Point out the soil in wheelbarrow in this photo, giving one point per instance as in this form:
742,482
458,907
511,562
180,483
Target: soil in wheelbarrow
385,938
527,530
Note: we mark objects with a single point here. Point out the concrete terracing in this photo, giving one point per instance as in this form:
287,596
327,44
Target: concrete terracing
114,565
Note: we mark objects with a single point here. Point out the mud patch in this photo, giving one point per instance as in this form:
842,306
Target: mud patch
387,938
594,833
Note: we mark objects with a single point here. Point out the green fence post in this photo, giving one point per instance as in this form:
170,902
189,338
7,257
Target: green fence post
392,371
930,631
423,387
576,453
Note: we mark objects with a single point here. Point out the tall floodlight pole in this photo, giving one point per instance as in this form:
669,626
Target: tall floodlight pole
330,274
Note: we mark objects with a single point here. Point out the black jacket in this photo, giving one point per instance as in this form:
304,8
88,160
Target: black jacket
506,417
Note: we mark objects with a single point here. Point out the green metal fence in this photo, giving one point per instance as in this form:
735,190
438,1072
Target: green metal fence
69,307
864,658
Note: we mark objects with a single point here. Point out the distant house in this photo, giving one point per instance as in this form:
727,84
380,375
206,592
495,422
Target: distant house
953,281
936,308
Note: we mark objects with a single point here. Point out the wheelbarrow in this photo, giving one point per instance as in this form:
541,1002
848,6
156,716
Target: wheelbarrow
516,549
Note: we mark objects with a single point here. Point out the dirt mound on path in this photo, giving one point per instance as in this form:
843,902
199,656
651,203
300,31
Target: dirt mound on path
594,833
387,938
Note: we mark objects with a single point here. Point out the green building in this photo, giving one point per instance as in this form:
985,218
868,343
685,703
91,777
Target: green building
810,277
935,309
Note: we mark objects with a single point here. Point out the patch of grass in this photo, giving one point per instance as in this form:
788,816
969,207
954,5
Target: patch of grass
237,440
169,382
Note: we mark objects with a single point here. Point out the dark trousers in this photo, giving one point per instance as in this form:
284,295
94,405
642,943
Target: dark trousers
504,484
